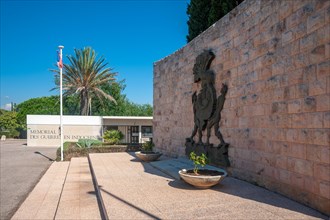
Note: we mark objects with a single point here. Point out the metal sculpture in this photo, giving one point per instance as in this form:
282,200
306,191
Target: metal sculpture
207,112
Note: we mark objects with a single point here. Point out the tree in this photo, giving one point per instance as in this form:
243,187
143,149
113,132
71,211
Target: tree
203,13
50,105
9,125
38,106
124,107
198,13
85,75
216,12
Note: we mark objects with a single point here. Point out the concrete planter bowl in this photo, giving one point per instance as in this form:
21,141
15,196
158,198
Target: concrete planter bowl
148,156
205,178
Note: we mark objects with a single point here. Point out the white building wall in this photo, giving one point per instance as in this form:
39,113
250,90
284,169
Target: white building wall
44,130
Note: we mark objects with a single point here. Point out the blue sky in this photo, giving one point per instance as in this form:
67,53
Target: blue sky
131,35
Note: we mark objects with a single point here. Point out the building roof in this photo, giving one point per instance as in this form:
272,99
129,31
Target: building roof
128,117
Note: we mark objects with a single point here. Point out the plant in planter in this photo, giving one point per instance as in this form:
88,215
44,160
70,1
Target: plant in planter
201,178
147,154
198,161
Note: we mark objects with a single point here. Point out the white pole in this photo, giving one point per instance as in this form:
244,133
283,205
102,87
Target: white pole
61,105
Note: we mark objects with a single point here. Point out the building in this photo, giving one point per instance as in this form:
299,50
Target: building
44,130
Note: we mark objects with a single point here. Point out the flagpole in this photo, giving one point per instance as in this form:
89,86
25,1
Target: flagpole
61,104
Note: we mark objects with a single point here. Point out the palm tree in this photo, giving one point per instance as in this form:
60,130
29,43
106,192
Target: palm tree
84,75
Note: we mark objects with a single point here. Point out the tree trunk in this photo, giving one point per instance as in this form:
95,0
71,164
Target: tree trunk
84,103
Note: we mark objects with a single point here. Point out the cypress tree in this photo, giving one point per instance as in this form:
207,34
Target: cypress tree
198,13
216,12
203,13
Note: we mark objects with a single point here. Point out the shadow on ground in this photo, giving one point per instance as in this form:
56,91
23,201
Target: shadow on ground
41,154
231,186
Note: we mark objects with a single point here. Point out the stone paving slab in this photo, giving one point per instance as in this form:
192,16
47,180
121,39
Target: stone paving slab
78,199
43,200
132,189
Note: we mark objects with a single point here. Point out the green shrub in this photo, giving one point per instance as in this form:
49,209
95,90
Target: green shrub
112,136
10,133
71,149
88,143
198,161
148,146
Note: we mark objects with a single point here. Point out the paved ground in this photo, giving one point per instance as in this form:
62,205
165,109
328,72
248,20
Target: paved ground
21,169
132,189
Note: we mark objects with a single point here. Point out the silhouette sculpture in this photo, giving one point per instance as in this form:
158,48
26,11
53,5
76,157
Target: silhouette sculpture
207,112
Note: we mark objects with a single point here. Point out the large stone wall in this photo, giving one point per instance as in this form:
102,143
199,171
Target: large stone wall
275,58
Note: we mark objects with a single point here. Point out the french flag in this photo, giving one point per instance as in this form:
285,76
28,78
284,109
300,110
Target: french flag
59,59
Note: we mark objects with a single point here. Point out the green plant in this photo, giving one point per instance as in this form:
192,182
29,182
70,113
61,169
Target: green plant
9,124
148,146
112,136
84,74
87,143
201,160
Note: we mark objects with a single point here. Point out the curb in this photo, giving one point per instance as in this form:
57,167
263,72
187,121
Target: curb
103,211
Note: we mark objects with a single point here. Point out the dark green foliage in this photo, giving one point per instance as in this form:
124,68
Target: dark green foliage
38,106
148,146
216,12
70,149
198,13
203,13
112,136
84,75
88,143
201,160
9,125
124,107
50,105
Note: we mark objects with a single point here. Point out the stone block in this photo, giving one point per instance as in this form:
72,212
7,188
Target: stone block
295,106
317,54
314,120
287,37
318,87
299,31
281,162
296,77
323,102
318,153
298,151
309,104
315,21
300,166
326,116
301,60
286,8
308,42
285,176
321,171
311,185
299,120
297,180
292,135
324,188
323,69
320,136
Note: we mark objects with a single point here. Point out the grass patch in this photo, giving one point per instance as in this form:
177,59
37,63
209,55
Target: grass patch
70,149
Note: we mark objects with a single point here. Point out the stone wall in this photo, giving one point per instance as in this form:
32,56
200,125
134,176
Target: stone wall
275,58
